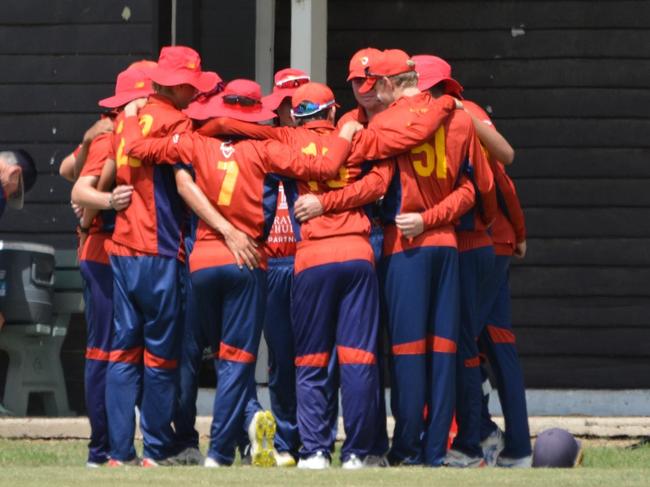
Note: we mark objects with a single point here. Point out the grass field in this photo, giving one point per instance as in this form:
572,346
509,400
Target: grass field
52,463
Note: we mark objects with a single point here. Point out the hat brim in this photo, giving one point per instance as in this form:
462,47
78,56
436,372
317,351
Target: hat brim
17,200
215,107
452,87
368,85
121,99
356,74
275,99
203,81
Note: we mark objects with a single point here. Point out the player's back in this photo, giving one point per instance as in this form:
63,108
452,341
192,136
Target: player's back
152,222
426,175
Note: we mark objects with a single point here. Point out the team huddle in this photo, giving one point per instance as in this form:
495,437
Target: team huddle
202,227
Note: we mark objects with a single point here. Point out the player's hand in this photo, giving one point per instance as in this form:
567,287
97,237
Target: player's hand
410,224
120,198
243,248
78,210
99,127
133,107
520,250
307,207
349,129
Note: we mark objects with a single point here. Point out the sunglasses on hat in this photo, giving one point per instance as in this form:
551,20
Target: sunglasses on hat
307,108
243,101
292,82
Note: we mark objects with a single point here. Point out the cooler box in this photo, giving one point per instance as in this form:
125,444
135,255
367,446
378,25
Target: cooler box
33,334
26,282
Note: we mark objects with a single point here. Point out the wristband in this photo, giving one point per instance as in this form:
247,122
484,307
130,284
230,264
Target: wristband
81,229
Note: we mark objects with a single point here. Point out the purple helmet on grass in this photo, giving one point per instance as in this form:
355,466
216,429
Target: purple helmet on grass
556,448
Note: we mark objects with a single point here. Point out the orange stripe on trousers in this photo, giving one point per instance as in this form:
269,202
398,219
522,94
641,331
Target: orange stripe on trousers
97,354
234,354
418,347
151,360
128,356
354,356
313,360
500,335
441,345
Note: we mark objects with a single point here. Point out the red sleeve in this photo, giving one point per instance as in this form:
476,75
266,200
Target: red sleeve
230,126
483,178
287,161
513,206
400,128
368,189
157,150
452,207
101,149
162,150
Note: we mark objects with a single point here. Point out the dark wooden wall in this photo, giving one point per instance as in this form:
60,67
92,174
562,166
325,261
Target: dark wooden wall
567,83
58,59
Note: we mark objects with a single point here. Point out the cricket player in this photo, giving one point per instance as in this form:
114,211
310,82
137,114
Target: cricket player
232,299
146,253
476,262
94,263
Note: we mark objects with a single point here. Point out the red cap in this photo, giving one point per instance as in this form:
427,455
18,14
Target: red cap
311,98
433,70
240,99
390,62
286,82
131,83
179,65
361,60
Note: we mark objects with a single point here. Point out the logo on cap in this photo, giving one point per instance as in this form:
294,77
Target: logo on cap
191,65
364,60
139,84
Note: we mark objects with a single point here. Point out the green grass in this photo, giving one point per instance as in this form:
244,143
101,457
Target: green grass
52,463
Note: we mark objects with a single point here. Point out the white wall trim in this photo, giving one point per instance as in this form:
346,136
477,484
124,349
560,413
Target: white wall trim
309,37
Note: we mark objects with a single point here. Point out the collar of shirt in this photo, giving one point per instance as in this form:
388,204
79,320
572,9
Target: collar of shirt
156,99
319,125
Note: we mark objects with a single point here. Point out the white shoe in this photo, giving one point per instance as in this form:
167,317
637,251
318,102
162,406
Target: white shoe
376,461
261,433
93,465
492,447
284,459
318,461
457,459
525,462
211,463
353,463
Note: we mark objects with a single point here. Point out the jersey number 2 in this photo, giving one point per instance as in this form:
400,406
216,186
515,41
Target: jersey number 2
121,159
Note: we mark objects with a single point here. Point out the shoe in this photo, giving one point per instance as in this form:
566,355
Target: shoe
189,456
505,462
134,462
353,462
284,459
317,461
457,459
149,463
94,465
492,447
376,461
211,463
261,433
